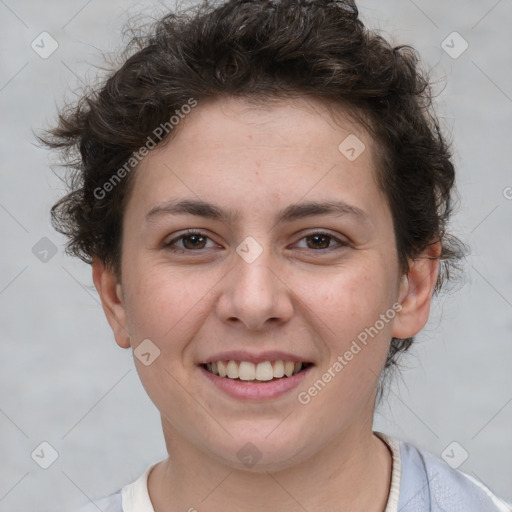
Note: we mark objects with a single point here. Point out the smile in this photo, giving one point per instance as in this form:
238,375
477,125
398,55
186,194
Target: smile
260,372
250,381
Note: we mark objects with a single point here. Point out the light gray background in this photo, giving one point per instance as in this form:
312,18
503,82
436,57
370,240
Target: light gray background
64,380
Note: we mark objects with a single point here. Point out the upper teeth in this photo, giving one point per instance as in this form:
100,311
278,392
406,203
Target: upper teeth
245,370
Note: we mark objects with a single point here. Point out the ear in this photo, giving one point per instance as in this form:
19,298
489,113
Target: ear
415,293
110,292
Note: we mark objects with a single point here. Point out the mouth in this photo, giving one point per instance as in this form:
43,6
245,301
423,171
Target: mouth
256,373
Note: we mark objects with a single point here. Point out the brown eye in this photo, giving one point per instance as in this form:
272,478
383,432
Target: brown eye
318,241
321,241
194,241
189,242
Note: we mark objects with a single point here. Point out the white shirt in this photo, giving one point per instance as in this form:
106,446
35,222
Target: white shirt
420,482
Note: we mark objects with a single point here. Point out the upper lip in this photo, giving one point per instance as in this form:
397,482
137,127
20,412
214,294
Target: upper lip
243,355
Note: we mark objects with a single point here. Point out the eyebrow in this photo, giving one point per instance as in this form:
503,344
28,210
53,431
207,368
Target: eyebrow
290,213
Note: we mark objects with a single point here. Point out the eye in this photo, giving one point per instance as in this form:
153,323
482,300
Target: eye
191,241
321,241
195,241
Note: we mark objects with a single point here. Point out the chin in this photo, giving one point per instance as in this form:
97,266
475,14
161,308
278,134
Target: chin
264,453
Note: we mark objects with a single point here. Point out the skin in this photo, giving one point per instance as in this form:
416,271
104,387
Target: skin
297,296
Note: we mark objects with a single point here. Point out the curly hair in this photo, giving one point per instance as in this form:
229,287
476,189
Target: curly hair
260,50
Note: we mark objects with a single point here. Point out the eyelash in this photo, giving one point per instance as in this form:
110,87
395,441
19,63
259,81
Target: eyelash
170,245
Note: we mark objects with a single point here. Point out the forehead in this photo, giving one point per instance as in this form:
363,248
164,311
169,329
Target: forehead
302,124
233,150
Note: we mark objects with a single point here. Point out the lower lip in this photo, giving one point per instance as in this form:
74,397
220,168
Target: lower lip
255,391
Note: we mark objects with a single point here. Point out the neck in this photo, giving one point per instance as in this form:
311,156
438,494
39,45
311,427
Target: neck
350,473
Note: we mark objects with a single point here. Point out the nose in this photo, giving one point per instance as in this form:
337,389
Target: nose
254,295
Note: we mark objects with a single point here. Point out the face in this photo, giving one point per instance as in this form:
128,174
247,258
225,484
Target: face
250,236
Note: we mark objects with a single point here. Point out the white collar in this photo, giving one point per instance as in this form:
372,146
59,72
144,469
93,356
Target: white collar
396,472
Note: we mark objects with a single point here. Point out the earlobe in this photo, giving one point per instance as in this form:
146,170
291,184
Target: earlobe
415,294
110,292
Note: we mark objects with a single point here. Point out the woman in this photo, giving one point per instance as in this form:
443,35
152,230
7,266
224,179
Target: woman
263,191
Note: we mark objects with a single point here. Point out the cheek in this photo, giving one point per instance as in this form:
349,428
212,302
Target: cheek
165,303
346,310
168,307
347,300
